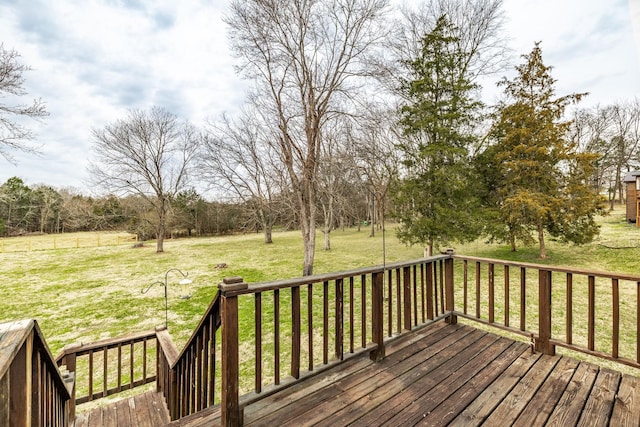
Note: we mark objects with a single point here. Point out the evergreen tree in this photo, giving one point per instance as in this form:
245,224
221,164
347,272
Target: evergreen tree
543,182
435,202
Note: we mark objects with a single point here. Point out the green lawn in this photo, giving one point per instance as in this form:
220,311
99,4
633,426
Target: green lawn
87,293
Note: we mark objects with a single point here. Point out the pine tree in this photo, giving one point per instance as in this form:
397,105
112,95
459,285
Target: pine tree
435,202
542,183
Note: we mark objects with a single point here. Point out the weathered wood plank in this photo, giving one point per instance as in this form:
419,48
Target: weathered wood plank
518,398
329,399
109,416
475,413
123,411
544,401
598,408
626,409
568,410
367,397
465,395
436,389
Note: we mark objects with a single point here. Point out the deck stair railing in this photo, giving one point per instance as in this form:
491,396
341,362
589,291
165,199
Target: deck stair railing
110,366
33,392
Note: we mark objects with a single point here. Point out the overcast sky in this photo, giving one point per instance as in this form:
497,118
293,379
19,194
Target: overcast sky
93,60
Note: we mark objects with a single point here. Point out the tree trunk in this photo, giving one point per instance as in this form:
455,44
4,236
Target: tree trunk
268,229
327,239
543,249
162,214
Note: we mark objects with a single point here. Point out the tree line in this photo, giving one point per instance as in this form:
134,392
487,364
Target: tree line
357,111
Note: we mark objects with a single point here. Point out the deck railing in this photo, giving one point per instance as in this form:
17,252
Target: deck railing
110,366
258,338
591,312
187,379
32,390
309,323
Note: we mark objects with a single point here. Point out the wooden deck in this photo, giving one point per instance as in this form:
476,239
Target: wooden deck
144,410
450,375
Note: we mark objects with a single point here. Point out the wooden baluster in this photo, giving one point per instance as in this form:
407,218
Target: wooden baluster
442,293
569,317
414,285
638,322
523,299
423,308
478,289
339,319
296,332
90,375
363,310
276,336
507,283
399,302
591,312
119,367
406,287
105,370
351,316
310,324
616,317
230,405
377,315
390,302
258,341
325,323
429,274
465,285
492,290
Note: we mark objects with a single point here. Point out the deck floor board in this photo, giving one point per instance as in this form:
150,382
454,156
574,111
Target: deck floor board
143,410
441,375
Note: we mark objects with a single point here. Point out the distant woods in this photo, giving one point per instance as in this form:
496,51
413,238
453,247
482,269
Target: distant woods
45,209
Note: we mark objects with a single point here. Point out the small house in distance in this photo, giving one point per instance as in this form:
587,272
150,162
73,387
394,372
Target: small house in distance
632,181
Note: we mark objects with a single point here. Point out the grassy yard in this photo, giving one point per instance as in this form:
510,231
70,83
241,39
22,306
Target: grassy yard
81,294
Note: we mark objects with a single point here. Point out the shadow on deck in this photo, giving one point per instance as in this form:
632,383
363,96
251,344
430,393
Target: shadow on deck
450,375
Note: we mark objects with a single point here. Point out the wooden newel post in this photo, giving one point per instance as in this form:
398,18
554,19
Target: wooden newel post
448,287
377,315
230,405
69,360
542,344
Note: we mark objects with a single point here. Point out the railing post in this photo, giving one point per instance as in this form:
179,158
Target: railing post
542,344
69,360
448,286
230,404
377,315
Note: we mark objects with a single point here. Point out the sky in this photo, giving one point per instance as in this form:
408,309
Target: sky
94,60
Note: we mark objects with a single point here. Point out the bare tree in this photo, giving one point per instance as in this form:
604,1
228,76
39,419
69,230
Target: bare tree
377,158
237,160
13,135
147,154
306,57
